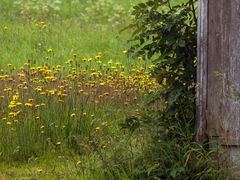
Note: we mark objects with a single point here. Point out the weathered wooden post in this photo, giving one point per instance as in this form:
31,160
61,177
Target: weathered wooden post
218,102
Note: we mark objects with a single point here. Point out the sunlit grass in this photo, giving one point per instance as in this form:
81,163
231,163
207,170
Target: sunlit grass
21,40
68,31
66,85
44,107
27,42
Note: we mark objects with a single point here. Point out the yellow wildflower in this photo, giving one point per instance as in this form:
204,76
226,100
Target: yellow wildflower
50,50
39,170
97,129
30,100
58,143
78,162
7,89
28,104
73,115
51,92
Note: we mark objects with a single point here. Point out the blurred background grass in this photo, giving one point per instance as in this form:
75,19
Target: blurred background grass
71,27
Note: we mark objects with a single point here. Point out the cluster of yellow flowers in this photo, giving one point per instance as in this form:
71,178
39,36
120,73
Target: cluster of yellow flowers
87,81
41,25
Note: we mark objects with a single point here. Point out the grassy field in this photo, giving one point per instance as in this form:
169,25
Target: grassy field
67,31
66,88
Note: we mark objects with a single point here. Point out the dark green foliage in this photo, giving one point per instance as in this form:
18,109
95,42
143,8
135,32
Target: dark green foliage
167,35
171,152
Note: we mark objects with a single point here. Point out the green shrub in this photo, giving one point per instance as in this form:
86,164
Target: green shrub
167,34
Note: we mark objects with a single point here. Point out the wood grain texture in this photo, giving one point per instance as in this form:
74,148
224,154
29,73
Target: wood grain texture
219,71
202,70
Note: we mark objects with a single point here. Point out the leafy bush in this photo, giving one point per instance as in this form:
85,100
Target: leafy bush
167,35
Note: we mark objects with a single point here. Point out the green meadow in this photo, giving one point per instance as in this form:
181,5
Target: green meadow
68,88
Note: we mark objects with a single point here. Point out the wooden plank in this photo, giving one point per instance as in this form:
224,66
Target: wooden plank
216,74
202,70
223,71
218,106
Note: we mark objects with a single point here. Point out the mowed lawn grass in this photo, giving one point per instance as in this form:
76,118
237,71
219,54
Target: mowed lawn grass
28,38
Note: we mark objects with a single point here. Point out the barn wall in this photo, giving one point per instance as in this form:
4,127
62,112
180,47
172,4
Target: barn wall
219,71
202,70
223,69
218,100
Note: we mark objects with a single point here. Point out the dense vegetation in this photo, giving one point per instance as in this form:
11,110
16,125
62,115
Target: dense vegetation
166,34
82,98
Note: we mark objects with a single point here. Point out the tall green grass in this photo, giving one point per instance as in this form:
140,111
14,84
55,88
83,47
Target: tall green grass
27,39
